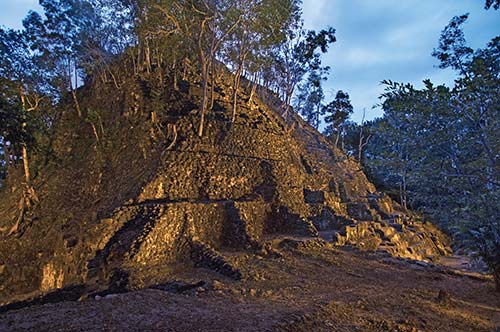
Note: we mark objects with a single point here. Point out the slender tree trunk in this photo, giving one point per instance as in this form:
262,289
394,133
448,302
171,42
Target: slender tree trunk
26,167
73,89
94,129
103,76
362,140
254,88
76,75
402,192
24,148
212,86
360,145
360,151
147,55
139,65
205,65
160,71
405,194
288,98
337,138
401,200
236,85
184,69
77,104
175,83
174,72
204,88
115,81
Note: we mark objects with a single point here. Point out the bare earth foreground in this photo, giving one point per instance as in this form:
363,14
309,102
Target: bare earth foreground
300,285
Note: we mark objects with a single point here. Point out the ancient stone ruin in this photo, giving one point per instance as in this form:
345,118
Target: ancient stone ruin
122,212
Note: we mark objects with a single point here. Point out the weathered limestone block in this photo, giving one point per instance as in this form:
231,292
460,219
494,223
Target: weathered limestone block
417,242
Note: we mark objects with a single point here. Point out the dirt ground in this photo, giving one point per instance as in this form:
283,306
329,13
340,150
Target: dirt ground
300,285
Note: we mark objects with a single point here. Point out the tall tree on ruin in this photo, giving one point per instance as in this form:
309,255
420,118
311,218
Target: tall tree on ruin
337,112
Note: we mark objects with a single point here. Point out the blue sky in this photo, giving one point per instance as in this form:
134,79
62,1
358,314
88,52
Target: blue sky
391,39
377,39
12,12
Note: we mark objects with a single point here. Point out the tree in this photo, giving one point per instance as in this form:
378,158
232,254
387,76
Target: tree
244,37
214,22
452,50
337,113
492,3
61,39
276,24
397,138
309,100
299,55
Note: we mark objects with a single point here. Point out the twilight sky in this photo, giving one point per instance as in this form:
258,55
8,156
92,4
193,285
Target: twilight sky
391,39
376,40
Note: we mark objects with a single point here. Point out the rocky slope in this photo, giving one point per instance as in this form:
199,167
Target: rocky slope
120,207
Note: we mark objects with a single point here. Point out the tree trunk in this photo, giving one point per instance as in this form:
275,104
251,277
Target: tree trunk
24,147
205,65
174,73
26,166
402,192
360,149
160,71
175,83
77,104
401,200
76,75
405,194
236,85
147,54
212,85
254,89
203,106
71,88
115,81
139,65
288,99
94,129
184,69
